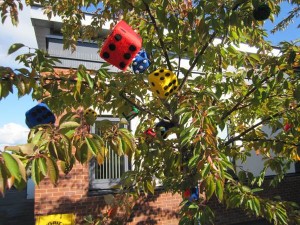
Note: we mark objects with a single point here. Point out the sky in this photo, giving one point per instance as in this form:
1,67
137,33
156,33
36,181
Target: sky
13,129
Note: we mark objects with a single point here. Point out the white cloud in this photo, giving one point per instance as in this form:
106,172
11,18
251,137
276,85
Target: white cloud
23,33
12,134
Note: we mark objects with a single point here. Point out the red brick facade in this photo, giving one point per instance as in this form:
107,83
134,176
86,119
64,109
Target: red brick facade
71,195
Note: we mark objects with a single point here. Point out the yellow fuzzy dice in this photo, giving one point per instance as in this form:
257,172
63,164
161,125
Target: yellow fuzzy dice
163,83
90,116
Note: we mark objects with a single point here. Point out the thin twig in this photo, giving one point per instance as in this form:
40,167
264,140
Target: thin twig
8,78
236,106
231,140
162,44
179,62
122,94
238,4
269,140
198,55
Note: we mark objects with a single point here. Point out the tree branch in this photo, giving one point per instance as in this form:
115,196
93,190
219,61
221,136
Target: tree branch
198,55
236,106
269,140
238,4
122,94
36,78
179,62
162,44
231,140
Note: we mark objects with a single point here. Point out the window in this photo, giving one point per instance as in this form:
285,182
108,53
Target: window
109,173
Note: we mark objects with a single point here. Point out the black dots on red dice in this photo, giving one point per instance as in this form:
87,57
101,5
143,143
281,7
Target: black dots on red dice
127,56
105,55
118,37
122,65
132,48
112,47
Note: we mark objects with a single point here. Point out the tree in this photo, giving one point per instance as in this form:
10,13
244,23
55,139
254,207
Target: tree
262,89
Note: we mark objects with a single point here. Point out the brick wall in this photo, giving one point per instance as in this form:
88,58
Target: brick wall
71,195
16,208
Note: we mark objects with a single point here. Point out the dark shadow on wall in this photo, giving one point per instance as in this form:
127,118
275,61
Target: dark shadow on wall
151,215
94,205
288,190
16,209
147,212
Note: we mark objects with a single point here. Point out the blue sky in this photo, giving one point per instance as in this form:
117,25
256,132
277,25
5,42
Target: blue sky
12,110
289,34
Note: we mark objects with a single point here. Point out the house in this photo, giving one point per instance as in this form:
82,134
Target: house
83,190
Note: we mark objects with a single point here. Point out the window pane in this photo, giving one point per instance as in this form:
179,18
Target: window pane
112,168
108,174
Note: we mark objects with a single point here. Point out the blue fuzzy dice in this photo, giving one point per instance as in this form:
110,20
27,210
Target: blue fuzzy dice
141,62
39,114
194,194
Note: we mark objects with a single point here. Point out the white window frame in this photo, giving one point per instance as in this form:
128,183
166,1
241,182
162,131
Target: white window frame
105,184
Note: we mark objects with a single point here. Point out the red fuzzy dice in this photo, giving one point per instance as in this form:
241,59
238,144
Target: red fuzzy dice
121,46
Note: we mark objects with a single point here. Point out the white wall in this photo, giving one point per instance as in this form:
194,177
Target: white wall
255,163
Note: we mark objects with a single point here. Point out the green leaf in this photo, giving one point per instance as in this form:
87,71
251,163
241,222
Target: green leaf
256,206
15,47
256,190
20,184
90,81
42,165
12,165
187,134
3,178
53,150
297,93
205,171
66,167
193,161
127,141
68,128
100,158
210,186
186,116
116,145
21,167
69,117
219,190
69,125
193,206
52,170
81,153
150,187
27,149
34,138
79,82
94,144
35,172
246,189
